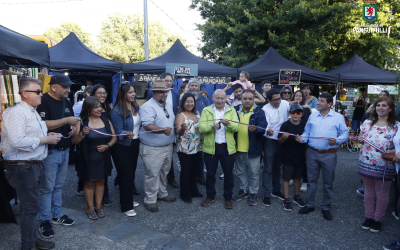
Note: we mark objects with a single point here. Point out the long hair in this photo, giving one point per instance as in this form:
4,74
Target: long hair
93,91
392,115
183,100
183,86
120,101
303,97
88,105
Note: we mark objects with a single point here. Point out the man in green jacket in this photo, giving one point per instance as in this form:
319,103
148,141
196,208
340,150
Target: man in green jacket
219,145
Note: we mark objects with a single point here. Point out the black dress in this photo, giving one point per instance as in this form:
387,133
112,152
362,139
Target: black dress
96,169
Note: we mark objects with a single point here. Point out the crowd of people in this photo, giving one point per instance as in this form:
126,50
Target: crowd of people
295,134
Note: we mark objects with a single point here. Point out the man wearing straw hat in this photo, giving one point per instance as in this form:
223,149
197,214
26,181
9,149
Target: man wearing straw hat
156,138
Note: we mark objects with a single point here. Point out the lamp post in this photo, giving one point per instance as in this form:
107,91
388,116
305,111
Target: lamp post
146,33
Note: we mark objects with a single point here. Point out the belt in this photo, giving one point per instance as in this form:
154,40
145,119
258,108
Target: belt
220,144
22,162
331,150
60,148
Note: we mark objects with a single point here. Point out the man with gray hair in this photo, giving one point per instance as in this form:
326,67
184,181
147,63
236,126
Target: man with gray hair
25,139
201,102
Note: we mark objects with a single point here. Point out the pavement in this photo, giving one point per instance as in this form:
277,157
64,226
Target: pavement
180,225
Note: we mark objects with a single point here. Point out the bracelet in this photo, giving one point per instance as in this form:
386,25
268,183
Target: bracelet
82,135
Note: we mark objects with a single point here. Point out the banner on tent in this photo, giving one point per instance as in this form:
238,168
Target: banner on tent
289,76
377,89
214,80
146,77
181,69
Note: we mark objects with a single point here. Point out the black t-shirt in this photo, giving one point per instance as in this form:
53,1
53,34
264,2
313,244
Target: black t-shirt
293,152
51,109
265,103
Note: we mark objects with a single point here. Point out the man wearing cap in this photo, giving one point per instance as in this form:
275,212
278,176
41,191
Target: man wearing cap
156,138
58,115
293,160
321,154
249,147
201,103
25,139
173,102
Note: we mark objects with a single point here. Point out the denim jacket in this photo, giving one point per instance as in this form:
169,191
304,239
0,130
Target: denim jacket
122,124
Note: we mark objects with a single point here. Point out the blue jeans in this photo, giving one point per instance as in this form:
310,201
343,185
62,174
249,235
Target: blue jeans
272,167
51,183
355,124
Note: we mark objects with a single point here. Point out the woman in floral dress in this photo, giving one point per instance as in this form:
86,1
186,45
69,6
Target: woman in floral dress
376,172
189,146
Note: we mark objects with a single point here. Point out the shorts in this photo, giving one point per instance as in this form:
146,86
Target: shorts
290,172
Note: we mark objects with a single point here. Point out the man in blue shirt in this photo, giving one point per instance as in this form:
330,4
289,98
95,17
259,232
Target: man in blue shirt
201,103
321,153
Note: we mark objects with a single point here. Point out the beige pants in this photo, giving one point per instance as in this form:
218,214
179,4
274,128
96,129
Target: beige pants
157,163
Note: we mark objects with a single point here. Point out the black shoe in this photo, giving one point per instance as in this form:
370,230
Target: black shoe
135,192
201,180
267,201
46,230
106,201
152,207
306,210
299,201
242,195
394,246
327,214
375,227
278,195
64,220
199,195
287,205
116,181
41,244
367,223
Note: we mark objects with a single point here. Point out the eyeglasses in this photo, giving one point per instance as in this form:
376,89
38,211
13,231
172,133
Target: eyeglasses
101,93
288,93
296,112
168,81
166,113
276,100
38,92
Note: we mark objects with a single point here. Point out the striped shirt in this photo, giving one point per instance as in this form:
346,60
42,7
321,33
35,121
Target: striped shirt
21,130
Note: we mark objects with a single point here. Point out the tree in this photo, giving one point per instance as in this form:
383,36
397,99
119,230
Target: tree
121,38
318,34
63,31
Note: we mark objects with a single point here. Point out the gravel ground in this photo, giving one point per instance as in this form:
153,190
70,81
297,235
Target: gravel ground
246,227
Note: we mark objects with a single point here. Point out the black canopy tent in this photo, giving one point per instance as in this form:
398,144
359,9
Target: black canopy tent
358,70
17,49
268,65
179,54
72,54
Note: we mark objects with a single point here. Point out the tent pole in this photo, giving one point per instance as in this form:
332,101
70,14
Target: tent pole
337,97
146,33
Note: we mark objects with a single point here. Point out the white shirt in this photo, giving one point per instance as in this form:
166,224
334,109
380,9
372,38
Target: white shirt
169,99
77,108
275,117
235,102
220,136
396,142
21,131
136,126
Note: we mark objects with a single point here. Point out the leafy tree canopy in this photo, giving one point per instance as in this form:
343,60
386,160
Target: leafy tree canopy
63,31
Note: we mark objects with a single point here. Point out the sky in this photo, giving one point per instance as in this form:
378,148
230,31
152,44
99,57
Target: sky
33,17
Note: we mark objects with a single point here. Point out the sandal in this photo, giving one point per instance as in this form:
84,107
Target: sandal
100,213
92,215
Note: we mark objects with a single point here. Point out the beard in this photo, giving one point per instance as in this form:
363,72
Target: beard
194,92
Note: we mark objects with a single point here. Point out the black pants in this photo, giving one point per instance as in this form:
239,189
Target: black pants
171,173
227,161
188,175
25,180
125,160
397,192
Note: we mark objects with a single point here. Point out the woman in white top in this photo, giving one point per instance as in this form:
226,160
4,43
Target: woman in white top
126,120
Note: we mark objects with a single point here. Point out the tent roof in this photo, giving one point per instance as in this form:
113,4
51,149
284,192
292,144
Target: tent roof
25,50
72,53
269,64
179,54
358,70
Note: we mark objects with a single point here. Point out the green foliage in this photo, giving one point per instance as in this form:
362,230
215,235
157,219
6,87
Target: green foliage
121,38
63,31
318,34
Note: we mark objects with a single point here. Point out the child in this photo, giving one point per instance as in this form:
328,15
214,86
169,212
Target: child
243,80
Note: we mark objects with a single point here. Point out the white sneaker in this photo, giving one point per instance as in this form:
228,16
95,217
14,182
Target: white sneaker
395,216
135,204
130,213
222,176
303,187
80,193
291,182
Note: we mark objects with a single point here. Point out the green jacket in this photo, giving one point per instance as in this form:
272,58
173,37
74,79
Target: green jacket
207,119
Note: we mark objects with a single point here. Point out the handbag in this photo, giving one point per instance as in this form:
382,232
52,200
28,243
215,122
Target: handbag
388,156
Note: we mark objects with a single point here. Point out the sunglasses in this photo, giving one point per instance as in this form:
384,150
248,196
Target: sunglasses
38,92
296,112
166,113
288,93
